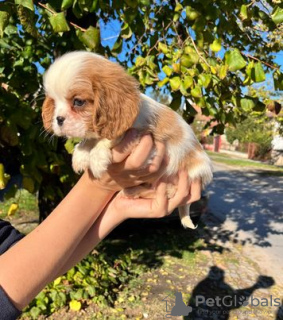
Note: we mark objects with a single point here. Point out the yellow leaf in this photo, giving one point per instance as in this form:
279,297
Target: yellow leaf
75,305
57,281
213,69
13,208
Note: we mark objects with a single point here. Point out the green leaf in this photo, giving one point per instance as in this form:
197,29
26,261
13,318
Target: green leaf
26,3
183,90
277,15
148,79
191,13
66,4
190,58
188,82
196,92
126,31
58,22
35,312
244,12
167,70
57,281
247,104
162,47
140,61
91,38
150,62
145,2
204,80
175,83
234,60
278,80
178,7
216,45
118,46
4,19
70,145
176,17
223,71
257,73
162,82
28,184
28,20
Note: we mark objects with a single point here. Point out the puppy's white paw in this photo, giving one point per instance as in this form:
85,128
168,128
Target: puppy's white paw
100,158
80,159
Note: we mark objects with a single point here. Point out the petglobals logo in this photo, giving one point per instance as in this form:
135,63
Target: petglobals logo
237,301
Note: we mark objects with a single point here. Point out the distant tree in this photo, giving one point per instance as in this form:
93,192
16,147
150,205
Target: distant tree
257,130
207,51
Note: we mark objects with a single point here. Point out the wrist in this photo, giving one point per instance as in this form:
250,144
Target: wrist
91,183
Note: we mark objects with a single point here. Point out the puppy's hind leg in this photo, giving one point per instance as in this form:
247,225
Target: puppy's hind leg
184,213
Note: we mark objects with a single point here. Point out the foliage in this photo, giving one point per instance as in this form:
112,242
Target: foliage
253,130
206,51
98,278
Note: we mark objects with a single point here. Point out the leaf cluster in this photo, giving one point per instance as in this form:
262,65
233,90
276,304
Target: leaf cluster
96,279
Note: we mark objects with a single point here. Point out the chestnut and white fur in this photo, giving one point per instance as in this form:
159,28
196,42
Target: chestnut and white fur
92,98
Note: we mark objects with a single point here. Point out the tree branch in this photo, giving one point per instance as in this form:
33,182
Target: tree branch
54,12
254,58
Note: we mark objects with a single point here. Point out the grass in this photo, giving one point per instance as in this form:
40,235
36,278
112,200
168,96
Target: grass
250,164
27,210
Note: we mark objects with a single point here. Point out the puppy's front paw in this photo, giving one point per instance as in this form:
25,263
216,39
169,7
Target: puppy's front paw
80,159
100,158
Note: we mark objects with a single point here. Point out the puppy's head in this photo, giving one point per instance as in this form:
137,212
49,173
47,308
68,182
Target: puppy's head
88,96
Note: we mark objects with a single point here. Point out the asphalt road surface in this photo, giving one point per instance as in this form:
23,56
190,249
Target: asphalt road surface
247,209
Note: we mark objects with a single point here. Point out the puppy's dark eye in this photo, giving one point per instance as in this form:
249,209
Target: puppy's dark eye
79,103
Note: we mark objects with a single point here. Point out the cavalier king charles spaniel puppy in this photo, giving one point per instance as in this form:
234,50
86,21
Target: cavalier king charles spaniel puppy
92,98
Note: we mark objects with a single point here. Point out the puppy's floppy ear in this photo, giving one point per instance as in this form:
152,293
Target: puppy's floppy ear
117,101
47,113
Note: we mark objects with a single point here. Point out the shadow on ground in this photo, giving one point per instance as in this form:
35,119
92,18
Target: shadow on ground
252,201
213,298
156,238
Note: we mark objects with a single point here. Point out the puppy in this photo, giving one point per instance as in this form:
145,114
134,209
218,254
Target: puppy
92,98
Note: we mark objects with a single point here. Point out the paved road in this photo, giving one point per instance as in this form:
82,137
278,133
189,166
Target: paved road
248,208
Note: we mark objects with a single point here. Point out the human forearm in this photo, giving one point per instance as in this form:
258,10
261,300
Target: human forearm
34,261
104,224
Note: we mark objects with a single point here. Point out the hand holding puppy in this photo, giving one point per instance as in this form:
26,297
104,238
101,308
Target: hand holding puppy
130,167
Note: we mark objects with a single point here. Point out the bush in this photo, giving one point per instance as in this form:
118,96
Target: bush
97,278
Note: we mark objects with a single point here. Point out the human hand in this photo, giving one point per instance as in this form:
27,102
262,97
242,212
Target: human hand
130,166
122,207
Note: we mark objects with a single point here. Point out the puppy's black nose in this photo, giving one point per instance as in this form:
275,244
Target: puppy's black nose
60,120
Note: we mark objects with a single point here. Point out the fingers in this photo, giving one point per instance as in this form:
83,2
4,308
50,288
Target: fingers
195,192
138,162
159,154
122,150
181,195
140,154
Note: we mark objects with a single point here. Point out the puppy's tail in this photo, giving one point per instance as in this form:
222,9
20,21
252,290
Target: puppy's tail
184,213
